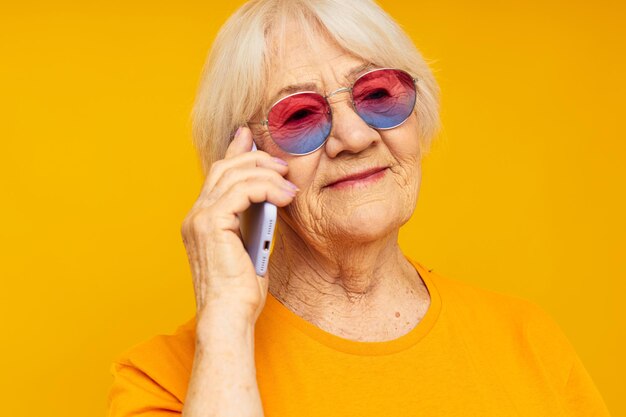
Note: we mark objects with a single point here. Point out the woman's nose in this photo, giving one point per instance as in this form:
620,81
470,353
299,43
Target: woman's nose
349,131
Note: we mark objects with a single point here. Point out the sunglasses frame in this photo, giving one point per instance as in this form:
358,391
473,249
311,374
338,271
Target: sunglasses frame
265,122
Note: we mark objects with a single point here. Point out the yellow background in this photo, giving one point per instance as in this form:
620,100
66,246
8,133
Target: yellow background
522,193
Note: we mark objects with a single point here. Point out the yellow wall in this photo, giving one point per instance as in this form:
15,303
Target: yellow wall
523,192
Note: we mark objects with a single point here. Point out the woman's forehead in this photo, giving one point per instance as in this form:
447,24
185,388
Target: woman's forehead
300,63
310,78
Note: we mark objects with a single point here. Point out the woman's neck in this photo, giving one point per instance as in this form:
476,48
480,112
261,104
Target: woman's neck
364,291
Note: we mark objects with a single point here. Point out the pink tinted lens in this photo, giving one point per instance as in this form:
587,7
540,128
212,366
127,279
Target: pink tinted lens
300,123
384,98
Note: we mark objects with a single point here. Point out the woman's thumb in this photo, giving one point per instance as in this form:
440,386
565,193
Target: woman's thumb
241,143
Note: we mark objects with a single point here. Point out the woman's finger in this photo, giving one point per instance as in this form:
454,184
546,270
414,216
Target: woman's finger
241,143
238,199
246,160
235,176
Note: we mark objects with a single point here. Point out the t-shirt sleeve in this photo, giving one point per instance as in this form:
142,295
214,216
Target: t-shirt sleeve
134,393
577,391
582,397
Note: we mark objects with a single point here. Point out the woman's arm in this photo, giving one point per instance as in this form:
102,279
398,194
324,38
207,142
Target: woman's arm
223,377
229,294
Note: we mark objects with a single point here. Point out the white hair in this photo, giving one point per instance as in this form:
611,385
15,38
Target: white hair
235,76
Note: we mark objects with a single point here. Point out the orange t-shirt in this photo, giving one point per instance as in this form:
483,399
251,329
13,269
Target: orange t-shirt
475,352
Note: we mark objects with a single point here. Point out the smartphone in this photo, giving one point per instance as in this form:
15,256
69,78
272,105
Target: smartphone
257,231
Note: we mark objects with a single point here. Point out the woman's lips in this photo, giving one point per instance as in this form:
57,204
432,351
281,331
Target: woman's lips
362,181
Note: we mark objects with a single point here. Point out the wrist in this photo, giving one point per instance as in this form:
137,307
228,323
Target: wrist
219,323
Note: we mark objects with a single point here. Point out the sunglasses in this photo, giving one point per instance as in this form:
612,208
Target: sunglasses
300,123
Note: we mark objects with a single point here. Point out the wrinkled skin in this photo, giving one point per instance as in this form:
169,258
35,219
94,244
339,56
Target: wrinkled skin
336,261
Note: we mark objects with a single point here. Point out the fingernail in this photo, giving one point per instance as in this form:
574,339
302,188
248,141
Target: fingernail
290,193
279,161
292,185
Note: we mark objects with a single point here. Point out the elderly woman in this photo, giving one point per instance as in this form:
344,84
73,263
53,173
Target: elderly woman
342,108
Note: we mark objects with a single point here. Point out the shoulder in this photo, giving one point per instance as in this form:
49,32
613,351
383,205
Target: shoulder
508,326
164,360
477,302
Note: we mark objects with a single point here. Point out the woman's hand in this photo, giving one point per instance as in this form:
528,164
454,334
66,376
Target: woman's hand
224,277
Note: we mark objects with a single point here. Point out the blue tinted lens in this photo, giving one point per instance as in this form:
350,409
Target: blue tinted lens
384,98
300,123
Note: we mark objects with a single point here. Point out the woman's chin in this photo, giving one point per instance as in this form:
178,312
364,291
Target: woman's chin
368,225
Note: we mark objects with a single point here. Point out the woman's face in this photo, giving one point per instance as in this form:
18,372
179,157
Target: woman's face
362,212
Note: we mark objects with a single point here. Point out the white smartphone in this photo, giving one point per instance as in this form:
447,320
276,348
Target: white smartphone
257,230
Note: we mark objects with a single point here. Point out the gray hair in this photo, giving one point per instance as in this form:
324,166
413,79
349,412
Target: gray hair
235,75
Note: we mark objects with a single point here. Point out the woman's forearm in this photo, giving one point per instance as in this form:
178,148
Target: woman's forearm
223,378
